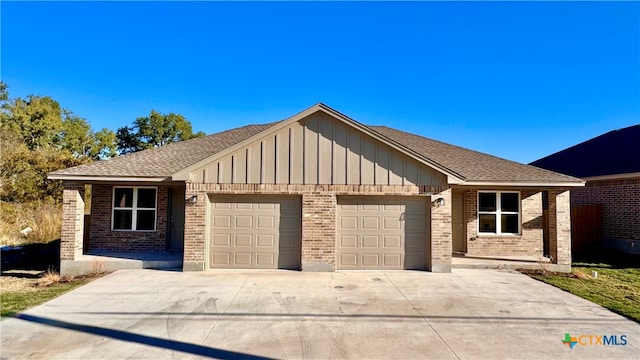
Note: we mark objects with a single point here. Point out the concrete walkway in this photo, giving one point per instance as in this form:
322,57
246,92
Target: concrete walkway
468,314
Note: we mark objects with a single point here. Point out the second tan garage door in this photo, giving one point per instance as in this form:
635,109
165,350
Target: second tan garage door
382,233
255,232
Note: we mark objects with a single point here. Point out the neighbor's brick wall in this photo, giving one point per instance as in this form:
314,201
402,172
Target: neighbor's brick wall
318,217
620,201
102,238
528,243
71,245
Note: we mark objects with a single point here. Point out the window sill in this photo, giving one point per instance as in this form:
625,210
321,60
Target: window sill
498,235
135,231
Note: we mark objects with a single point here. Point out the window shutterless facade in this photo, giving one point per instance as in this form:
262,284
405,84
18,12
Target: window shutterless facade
499,212
134,208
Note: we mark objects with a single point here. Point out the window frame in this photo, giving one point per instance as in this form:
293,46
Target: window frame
134,208
498,213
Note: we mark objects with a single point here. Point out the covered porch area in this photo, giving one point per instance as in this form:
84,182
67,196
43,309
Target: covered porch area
109,226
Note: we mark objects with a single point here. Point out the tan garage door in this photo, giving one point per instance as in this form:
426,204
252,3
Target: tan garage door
382,233
255,232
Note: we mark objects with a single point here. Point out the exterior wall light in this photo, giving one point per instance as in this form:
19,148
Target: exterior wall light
193,200
438,202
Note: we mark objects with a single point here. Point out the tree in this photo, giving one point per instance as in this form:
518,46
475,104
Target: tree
153,131
78,137
36,120
37,136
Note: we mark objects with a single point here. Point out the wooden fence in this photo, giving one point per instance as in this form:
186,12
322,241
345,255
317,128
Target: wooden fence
586,227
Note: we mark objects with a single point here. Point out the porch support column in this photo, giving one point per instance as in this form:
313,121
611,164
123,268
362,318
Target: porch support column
441,238
71,241
195,225
560,229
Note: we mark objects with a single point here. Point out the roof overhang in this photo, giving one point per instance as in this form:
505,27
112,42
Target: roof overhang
452,178
523,183
107,178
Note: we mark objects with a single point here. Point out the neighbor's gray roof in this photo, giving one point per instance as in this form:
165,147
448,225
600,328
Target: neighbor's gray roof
468,165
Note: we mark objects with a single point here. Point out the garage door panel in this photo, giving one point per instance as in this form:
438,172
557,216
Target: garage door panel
244,222
242,240
370,260
222,221
221,259
349,222
255,232
348,261
370,242
370,223
392,260
377,232
392,242
349,241
242,258
265,260
392,223
222,240
266,241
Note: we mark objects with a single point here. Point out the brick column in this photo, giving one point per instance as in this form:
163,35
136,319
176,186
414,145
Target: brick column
71,242
318,231
195,225
560,228
441,239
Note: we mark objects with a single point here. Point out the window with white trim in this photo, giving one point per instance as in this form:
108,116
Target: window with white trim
498,212
134,208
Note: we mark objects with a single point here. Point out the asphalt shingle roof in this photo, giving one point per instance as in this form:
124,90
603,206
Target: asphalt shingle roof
166,160
466,164
469,164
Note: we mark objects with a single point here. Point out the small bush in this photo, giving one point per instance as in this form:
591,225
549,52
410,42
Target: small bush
49,278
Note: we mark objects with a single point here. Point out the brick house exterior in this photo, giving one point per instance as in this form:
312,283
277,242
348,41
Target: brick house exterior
610,166
250,196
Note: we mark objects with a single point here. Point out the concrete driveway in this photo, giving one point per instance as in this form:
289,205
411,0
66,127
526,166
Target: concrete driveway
468,314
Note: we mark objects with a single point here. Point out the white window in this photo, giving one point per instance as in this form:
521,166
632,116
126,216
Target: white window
498,212
134,208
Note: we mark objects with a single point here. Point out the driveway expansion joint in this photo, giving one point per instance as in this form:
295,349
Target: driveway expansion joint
424,318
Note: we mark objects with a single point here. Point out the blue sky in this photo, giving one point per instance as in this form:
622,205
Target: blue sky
518,80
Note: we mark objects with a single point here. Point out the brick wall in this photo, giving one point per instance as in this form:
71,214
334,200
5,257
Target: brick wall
441,236
318,218
71,245
102,238
319,230
528,243
560,227
620,201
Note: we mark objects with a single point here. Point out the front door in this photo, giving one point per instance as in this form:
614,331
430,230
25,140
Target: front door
175,239
457,222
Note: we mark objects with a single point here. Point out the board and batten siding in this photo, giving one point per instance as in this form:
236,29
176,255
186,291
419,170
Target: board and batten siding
318,150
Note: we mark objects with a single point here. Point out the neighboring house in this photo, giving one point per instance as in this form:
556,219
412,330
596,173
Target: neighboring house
319,192
610,165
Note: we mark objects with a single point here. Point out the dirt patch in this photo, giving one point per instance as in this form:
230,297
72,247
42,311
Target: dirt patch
540,272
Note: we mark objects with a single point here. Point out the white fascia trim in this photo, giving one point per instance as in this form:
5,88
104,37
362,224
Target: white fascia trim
612,177
523,184
107,178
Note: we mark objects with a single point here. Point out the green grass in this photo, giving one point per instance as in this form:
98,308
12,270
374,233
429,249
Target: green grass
617,286
16,301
